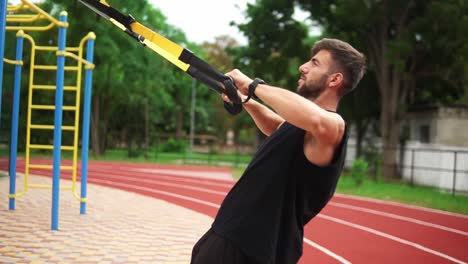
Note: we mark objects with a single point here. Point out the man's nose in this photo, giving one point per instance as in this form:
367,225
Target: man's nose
303,68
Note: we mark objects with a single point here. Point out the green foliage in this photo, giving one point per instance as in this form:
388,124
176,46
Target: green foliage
136,93
423,41
276,43
416,49
359,171
134,152
173,145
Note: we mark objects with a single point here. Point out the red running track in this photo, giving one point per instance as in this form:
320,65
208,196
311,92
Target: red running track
348,230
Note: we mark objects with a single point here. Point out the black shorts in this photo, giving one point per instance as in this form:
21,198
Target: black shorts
214,249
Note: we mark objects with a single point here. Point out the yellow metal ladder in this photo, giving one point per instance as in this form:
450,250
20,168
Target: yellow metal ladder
69,92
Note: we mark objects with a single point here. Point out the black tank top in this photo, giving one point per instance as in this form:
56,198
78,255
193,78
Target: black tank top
280,191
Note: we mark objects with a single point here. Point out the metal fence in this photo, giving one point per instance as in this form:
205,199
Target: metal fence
440,167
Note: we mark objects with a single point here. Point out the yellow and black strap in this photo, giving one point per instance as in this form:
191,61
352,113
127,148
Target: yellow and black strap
174,53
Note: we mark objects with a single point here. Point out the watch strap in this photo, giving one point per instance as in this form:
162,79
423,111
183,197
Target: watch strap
252,88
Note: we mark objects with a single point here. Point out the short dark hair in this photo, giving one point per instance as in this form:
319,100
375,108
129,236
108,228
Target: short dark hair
346,58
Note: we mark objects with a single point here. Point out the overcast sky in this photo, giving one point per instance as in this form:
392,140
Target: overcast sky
203,20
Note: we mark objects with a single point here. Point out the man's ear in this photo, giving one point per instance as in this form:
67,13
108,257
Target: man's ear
336,80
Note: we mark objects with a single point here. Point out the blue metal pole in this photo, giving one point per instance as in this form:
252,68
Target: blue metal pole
86,118
15,117
58,121
3,10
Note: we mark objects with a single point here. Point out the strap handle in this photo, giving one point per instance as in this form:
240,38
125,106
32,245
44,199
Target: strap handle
207,71
235,106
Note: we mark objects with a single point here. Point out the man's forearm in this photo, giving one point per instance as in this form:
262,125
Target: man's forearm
265,119
292,107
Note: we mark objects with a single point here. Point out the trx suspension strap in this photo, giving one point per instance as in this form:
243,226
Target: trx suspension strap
174,53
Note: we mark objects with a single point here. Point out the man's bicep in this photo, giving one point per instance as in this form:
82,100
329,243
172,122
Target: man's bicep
329,129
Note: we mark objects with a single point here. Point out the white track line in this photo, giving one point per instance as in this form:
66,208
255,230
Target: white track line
351,207
399,217
174,178
337,220
215,175
388,236
150,181
326,251
400,204
156,191
320,248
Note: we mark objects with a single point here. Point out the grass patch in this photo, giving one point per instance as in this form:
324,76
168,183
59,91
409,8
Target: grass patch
237,172
212,159
3,151
402,192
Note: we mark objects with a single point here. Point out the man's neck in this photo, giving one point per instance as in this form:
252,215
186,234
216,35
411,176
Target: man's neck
326,101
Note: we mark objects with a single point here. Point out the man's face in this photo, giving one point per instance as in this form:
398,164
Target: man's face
314,75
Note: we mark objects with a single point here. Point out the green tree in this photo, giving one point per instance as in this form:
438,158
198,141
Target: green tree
361,109
113,50
408,43
219,54
136,93
277,47
276,43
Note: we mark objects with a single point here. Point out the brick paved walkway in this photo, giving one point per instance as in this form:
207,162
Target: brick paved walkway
131,229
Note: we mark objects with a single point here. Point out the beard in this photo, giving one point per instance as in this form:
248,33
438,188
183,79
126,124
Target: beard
312,90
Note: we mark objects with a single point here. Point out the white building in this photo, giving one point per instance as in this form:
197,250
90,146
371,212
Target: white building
443,125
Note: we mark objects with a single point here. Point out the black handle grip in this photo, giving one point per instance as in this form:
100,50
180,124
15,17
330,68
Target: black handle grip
235,106
233,109
210,82
188,57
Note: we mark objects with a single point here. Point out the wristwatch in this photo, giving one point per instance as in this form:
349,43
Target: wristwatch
252,88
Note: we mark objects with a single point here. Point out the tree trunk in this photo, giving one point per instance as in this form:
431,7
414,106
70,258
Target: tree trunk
390,121
390,150
95,118
392,96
